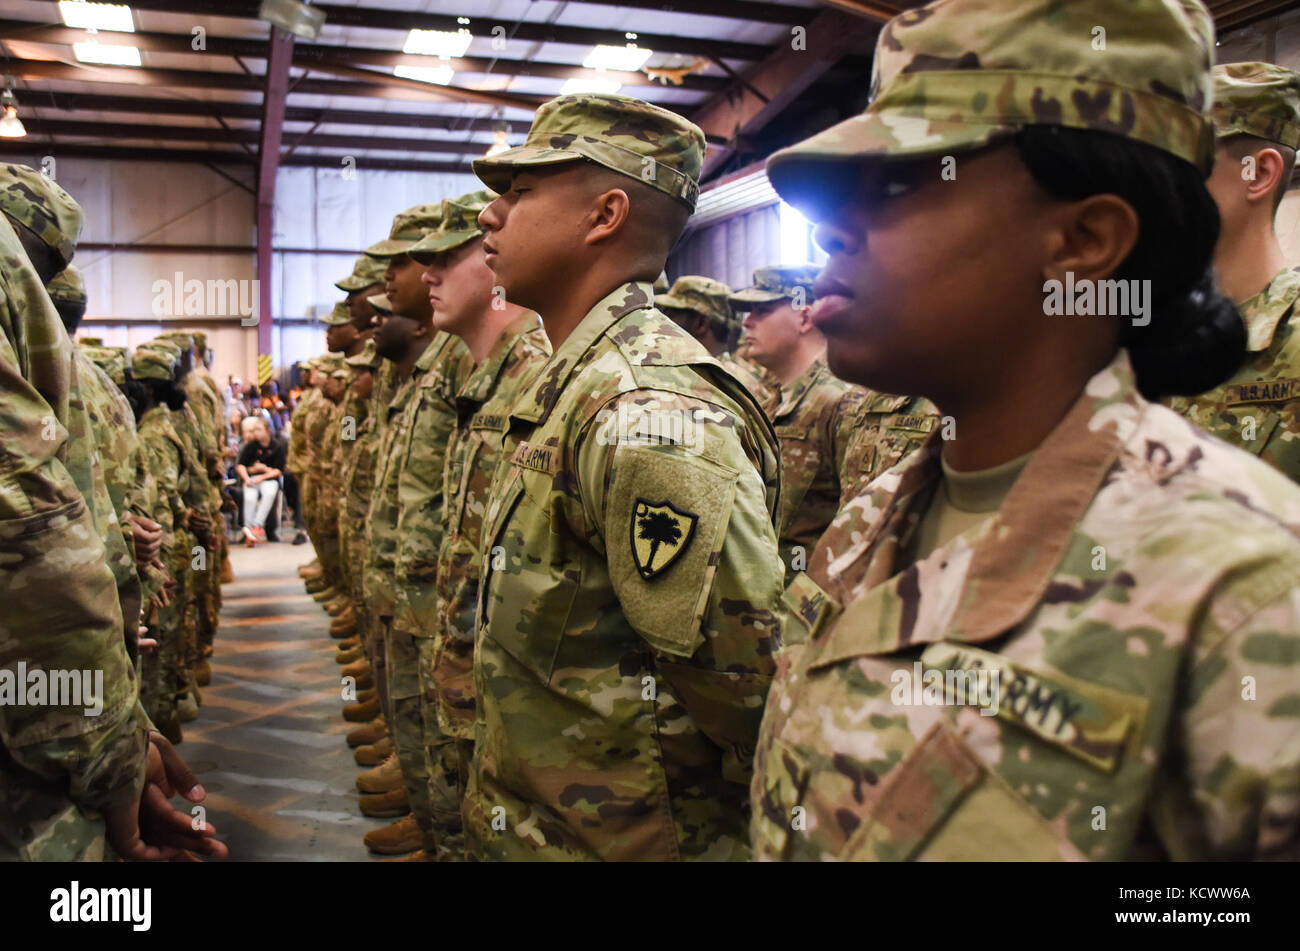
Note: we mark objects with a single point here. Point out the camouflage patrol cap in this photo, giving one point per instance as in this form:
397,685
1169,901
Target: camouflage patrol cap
381,303
365,359
366,272
1259,99
779,282
169,347
112,360
701,294
67,285
627,135
330,362
153,363
50,212
182,339
459,224
200,339
958,75
91,341
408,227
338,316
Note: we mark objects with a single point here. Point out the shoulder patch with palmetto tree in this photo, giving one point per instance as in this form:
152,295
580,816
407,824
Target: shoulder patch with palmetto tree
660,533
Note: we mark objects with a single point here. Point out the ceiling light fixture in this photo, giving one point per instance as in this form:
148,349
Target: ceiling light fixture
97,16
628,58
292,17
93,51
578,87
11,127
500,135
438,42
441,75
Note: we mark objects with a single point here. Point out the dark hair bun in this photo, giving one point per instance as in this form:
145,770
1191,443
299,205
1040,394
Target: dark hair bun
1193,343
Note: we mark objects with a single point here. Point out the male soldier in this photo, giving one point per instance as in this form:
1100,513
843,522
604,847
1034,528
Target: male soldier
1257,128
204,412
630,575
356,481
347,335
508,347
416,466
316,420
403,336
113,431
298,461
324,432
813,411
66,778
700,306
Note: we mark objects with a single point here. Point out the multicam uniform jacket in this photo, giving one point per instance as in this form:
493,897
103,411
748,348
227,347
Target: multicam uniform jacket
57,765
1124,631
439,374
354,461
381,523
473,453
888,428
626,619
815,417
1259,408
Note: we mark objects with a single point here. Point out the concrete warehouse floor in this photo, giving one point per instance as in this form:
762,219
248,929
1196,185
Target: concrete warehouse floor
269,742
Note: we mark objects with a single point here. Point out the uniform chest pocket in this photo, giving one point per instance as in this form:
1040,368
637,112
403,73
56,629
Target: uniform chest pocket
800,462
529,578
1248,425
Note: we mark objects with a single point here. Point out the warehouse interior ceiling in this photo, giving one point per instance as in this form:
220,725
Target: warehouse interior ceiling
210,86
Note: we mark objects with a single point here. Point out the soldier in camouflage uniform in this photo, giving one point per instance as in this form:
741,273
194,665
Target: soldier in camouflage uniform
630,574
356,474
405,509
204,413
1057,675
323,434
58,767
508,347
701,306
814,413
1257,127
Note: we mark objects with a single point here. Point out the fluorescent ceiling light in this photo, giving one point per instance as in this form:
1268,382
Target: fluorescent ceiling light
438,42
425,74
628,58
107,55
97,16
576,87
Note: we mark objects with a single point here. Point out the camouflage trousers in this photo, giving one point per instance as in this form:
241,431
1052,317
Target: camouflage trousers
164,674
406,724
447,762
207,594
374,636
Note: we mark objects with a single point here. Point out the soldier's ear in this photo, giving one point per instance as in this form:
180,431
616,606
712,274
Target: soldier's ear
610,211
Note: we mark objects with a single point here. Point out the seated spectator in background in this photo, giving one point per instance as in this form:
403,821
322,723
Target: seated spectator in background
261,463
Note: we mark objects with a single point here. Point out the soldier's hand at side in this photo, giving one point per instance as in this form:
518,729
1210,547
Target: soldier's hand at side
148,538
166,775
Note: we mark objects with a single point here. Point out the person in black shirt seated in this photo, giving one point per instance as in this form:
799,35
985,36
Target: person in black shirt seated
260,465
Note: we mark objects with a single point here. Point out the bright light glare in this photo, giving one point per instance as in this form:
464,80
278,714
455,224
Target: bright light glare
577,87
97,16
438,42
107,55
426,74
628,58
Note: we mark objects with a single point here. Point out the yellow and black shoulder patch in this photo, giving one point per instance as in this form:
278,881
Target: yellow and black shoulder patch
660,534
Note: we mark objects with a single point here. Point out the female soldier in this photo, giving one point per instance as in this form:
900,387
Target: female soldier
1071,628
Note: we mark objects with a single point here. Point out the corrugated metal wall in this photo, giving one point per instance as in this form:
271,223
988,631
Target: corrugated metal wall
730,250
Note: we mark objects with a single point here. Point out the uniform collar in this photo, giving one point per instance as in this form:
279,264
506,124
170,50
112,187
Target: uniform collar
989,579
536,403
483,380
1263,312
431,353
792,395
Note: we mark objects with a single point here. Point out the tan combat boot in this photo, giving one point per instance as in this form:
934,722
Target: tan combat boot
371,732
385,777
345,630
356,668
310,570
324,594
338,606
315,584
348,655
203,673
404,835
375,753
387,805
362,710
